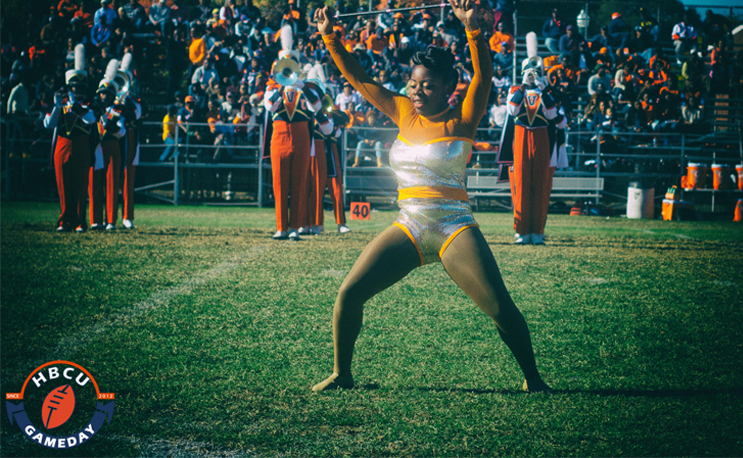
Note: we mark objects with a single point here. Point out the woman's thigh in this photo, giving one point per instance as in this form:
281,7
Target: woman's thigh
384,262
470,263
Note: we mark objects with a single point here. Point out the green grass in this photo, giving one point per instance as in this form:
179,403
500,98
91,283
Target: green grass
211,334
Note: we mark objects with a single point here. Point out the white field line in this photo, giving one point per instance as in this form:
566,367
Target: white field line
153,447
74,343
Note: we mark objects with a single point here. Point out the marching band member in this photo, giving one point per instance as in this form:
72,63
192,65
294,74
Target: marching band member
72,120
335,169
130,146
132,110
319,169
532,107
435,222
291,107
105,172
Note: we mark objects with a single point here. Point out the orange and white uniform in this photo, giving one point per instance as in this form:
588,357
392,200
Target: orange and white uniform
130,150
532,109
106,170
430,154
72,123
319,167
291,109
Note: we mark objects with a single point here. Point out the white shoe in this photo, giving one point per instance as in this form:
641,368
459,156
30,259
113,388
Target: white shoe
294,235
110,227
523,239
128,224
342,228
317,230
280,235
96,227
304,230
537,239
80,229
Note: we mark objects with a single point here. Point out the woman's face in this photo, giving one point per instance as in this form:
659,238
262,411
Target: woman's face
428,92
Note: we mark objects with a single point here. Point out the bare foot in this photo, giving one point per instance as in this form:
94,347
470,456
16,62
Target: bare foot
536,385
334,382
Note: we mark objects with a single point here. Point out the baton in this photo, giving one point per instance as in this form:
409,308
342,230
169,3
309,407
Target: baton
393,10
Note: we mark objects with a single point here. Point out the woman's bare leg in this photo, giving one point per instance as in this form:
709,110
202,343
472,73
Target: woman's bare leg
471,264
384,262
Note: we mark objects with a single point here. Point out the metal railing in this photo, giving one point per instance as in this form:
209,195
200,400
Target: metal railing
660,158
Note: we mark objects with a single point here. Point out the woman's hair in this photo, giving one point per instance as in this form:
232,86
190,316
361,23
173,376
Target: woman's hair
441,61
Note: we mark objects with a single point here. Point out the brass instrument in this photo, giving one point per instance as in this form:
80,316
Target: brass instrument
286,72
327,103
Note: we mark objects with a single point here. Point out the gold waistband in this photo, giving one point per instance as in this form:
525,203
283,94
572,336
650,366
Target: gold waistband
432,192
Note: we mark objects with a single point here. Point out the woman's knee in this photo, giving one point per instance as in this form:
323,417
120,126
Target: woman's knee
351,294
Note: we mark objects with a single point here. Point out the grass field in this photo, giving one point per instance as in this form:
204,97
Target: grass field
210,334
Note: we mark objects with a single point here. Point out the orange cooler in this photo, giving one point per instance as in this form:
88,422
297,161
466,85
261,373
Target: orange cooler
720,176
696,176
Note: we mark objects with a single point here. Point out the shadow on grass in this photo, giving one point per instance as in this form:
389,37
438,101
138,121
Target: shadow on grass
601,392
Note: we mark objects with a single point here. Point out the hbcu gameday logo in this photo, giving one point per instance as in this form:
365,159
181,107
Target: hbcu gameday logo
57,383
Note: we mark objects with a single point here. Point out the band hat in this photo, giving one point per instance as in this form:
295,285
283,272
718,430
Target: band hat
616,15
108,86
189,98
73,77
405,40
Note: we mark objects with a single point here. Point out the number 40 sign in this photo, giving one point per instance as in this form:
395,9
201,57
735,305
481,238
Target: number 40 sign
360,210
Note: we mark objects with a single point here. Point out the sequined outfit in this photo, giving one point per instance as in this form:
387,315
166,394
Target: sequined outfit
430,153
423,172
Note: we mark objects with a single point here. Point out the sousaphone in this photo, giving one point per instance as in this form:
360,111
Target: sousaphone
286,72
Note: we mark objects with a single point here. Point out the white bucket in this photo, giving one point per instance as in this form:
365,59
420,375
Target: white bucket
640,203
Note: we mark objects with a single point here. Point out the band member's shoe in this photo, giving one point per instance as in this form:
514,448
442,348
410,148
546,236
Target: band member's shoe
317,230
304,230
280,235
128,224
523,239
334,382
62,228
294,235
343,229
537,239
110,227
97,227
80,229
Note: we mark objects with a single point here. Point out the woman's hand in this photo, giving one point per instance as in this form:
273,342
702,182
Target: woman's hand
325,20
466,11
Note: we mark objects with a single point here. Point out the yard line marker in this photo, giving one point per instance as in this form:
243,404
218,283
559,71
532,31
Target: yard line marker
182,448
68,345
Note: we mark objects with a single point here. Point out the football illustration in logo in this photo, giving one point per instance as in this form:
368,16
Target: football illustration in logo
58,406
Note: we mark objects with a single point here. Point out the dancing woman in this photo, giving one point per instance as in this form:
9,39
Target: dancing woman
435,222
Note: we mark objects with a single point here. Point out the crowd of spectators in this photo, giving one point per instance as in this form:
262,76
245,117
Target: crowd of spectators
218,60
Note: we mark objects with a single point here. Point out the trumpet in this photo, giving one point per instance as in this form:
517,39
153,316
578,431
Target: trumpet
285,71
